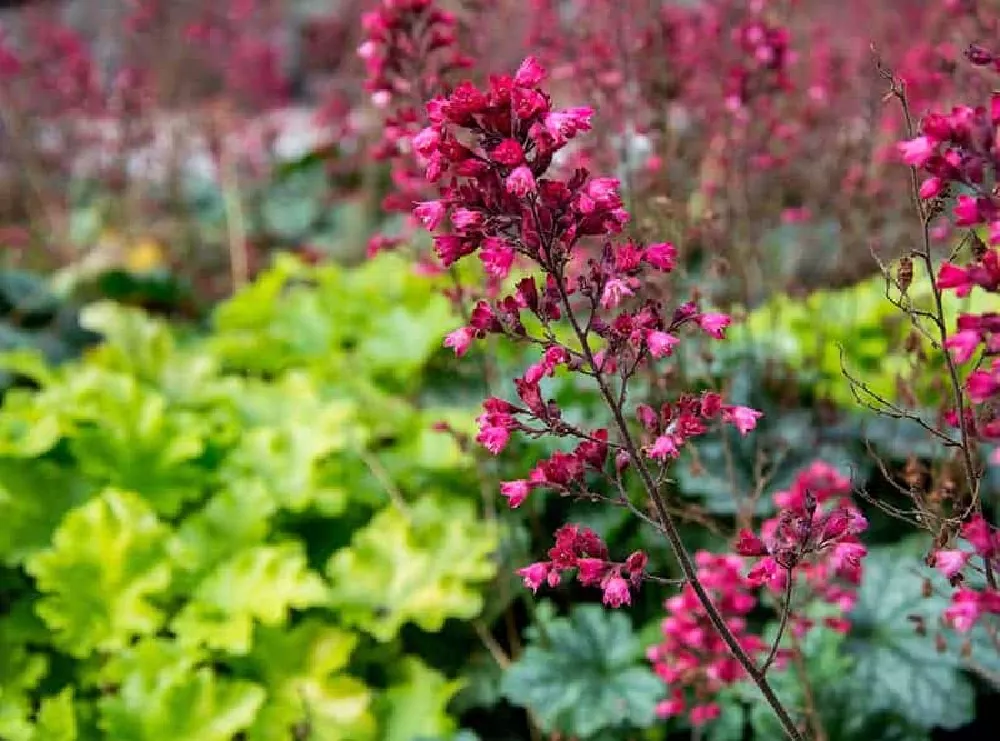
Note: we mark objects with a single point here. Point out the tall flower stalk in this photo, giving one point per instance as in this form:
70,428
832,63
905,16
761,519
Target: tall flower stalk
490,152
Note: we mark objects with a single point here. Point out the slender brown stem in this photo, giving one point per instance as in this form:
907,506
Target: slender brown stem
819,732
786,610
236,228
670,529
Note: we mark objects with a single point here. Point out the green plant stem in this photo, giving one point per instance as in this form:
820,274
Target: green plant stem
670,529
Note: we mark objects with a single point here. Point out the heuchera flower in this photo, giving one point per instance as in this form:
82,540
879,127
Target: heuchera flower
692,659
958,149
582,550
490,153
714,324
410,47
743,419
812,540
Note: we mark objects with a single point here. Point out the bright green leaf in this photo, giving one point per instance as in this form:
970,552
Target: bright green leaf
106,561
416,705
302,671
424,566
56,719
261,583
164,693
232,520
34,497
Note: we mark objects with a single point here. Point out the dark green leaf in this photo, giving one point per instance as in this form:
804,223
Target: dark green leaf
585,675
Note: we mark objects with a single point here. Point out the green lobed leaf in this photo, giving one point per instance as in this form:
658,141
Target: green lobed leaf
302,670
22,669
585,675
257,584
416,705
423,566
129,438
27,429
164,692
34,497
230,522
106,563
841,706
295,436
900,670
56,719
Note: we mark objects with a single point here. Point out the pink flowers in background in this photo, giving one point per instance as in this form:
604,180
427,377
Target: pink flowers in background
691,659
809,550
410,48
812,541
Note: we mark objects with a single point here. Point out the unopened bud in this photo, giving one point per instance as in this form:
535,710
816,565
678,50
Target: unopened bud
622,460
978,56
919,624
979,248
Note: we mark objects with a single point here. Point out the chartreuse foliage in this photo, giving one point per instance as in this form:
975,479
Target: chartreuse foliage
200,532
856,328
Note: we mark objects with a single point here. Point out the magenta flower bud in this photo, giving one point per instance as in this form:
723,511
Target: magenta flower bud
534,575
521,182
530,73
916,152
460,339
750,545
714,324
950,563
616,592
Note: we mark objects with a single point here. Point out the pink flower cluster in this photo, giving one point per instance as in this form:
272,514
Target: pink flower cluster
813,542
410,48
59,67
692,659
763,70
582,550
490,151
969,604
236,38
960,151
500,206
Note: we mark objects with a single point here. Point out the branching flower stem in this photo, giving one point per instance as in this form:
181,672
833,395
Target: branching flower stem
671,532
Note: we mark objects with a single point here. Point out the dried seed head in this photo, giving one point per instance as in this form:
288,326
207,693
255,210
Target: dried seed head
904,274
979,248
